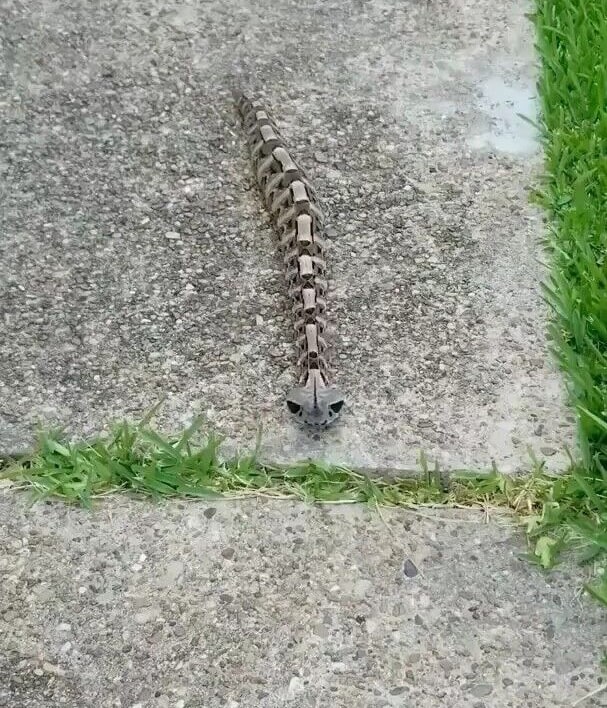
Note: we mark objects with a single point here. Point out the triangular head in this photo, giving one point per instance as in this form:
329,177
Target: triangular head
315,404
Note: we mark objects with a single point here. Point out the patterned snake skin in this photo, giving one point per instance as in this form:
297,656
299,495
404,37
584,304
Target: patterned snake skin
298,219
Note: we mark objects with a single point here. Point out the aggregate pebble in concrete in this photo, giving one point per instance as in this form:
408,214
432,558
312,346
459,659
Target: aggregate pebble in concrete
270,604
137,262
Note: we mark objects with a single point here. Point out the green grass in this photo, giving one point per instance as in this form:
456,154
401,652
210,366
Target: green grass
572,46
138,460
572,43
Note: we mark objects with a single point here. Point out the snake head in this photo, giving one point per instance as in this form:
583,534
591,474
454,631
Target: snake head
318,407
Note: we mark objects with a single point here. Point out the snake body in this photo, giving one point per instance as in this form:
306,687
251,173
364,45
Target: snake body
298,220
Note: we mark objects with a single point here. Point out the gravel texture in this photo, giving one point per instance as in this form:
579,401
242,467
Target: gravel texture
268,604
138,263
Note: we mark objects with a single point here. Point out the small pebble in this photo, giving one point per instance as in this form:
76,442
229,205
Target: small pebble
481,689
385,163
174,571
410,569
148,615
52,669
398,690
296,687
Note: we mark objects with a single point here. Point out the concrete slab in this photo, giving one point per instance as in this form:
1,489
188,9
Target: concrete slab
271,604
137,261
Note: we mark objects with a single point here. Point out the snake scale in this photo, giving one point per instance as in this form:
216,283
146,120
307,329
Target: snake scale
298,220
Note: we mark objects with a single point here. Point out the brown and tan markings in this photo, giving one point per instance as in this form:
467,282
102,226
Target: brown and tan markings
298,219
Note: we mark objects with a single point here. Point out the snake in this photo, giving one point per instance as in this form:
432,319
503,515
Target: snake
298,220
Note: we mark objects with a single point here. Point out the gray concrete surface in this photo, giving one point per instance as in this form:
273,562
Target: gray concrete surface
133,243
261,604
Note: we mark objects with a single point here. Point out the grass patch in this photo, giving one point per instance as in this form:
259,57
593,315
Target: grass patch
138,459
572,45
572,41
554,510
